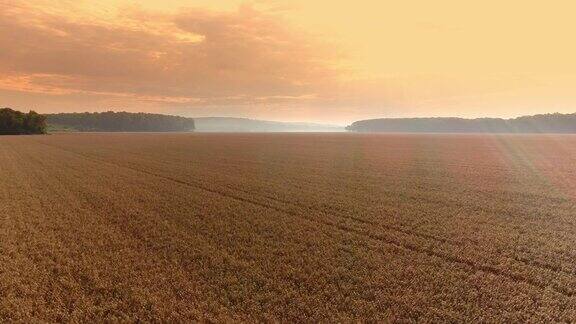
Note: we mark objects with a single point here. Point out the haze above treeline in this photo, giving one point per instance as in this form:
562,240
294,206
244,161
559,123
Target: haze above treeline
14,122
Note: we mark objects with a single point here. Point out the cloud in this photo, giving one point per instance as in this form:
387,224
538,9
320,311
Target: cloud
252,61
196,56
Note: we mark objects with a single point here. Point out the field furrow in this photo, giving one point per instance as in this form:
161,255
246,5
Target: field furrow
287,227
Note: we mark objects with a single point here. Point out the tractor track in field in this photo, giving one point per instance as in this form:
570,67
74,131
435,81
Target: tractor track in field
469,265
417,199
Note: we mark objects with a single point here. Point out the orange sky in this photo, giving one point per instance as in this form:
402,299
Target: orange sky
323,61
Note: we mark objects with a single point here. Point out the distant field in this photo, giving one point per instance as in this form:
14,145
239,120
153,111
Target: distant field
287,227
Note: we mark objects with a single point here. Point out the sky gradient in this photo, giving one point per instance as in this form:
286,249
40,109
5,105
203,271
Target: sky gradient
320,61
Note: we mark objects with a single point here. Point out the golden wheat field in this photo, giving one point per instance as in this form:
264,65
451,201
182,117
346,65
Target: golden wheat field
287,227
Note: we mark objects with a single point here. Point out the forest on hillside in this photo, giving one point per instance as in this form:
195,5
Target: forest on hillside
547,123
14,122
120,122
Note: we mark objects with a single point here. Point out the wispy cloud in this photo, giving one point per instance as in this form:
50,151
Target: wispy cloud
272,59
196,54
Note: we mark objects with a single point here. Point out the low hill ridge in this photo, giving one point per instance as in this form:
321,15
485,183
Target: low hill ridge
234,124
544,123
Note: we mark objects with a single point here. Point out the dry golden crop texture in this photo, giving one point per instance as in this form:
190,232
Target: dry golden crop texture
288,227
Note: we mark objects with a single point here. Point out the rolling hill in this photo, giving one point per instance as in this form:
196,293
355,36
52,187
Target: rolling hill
547,123
229,124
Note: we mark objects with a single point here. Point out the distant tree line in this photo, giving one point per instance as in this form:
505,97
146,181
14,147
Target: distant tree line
120,122
548,123
14,122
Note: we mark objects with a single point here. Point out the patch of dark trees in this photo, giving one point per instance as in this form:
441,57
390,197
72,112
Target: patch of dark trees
14,122
120,122
547,123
